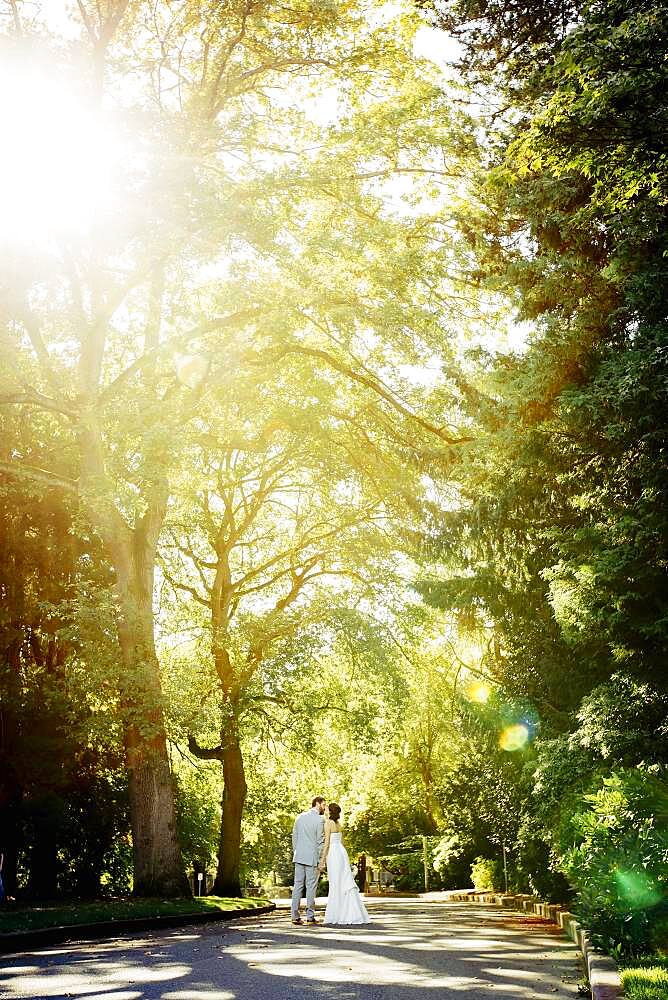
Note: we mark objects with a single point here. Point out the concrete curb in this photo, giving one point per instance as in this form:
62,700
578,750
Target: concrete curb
602,972
25,940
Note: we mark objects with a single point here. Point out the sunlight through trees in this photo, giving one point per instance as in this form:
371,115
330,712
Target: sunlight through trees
332,398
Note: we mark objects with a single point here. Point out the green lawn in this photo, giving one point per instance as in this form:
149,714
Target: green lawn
27,918
647,980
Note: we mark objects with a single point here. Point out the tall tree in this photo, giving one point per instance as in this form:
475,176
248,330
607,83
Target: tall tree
119,328
572,228
561,538
290,517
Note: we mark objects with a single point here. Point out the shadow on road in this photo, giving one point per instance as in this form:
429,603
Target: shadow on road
410,950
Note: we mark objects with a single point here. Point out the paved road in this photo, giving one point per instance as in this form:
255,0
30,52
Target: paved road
413,950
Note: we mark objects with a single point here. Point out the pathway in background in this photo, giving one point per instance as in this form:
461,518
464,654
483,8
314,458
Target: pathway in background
413,950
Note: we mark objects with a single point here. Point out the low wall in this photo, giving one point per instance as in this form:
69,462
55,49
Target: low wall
602,972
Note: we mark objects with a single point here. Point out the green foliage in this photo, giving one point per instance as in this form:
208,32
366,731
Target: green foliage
447,850
240,325
646,980
406,864
198,796
73,841
63,802
275,797
571,515
619,862
117,876
623,721
560,538
486,873
617,724
406,868
505,43
535,864
219,381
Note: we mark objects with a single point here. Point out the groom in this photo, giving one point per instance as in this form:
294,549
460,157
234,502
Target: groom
308,837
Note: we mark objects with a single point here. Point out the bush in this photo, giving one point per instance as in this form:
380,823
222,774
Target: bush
619,867
197,815
486,874
533,865
452,861
408,867
407,870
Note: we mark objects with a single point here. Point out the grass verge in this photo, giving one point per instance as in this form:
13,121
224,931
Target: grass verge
646,980
15,918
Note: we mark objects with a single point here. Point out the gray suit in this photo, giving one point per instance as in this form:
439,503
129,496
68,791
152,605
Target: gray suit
308,837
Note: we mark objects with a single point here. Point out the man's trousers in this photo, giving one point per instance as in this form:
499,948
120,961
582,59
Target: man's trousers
304,874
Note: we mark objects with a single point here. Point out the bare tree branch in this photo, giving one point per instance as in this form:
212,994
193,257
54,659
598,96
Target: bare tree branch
34,335
18,26
21,471
177,585
34,398
204,753
149,357
370,382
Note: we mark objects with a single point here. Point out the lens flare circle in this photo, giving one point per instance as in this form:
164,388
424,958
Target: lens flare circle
191,369
514,737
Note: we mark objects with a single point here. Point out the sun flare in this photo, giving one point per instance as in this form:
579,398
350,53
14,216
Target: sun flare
479,692
56,174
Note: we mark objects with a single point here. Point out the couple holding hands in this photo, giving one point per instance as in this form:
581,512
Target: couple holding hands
317,843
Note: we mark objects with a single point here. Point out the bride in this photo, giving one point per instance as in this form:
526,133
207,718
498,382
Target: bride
344,903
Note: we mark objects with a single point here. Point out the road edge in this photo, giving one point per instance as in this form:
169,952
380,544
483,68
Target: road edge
602,972
17,941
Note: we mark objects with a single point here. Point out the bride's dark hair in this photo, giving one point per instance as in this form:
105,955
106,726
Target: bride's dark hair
334,811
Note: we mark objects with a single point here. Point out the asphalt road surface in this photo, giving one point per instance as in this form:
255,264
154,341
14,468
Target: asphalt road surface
413,950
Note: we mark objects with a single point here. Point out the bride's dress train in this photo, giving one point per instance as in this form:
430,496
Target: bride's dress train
344,903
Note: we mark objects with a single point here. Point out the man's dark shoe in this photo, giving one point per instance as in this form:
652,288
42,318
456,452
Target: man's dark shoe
312,920
298,921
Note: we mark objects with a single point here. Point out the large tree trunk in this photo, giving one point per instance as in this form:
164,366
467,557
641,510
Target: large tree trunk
227,881
157,863
131,547
158,867
11,792
10,810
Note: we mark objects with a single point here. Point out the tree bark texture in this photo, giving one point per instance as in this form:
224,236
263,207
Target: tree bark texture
131,547
228,882
158,867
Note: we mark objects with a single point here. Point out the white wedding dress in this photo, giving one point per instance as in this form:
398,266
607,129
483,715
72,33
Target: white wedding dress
344,903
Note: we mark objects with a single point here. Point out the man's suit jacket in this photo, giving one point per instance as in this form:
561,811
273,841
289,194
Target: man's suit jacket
308,836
